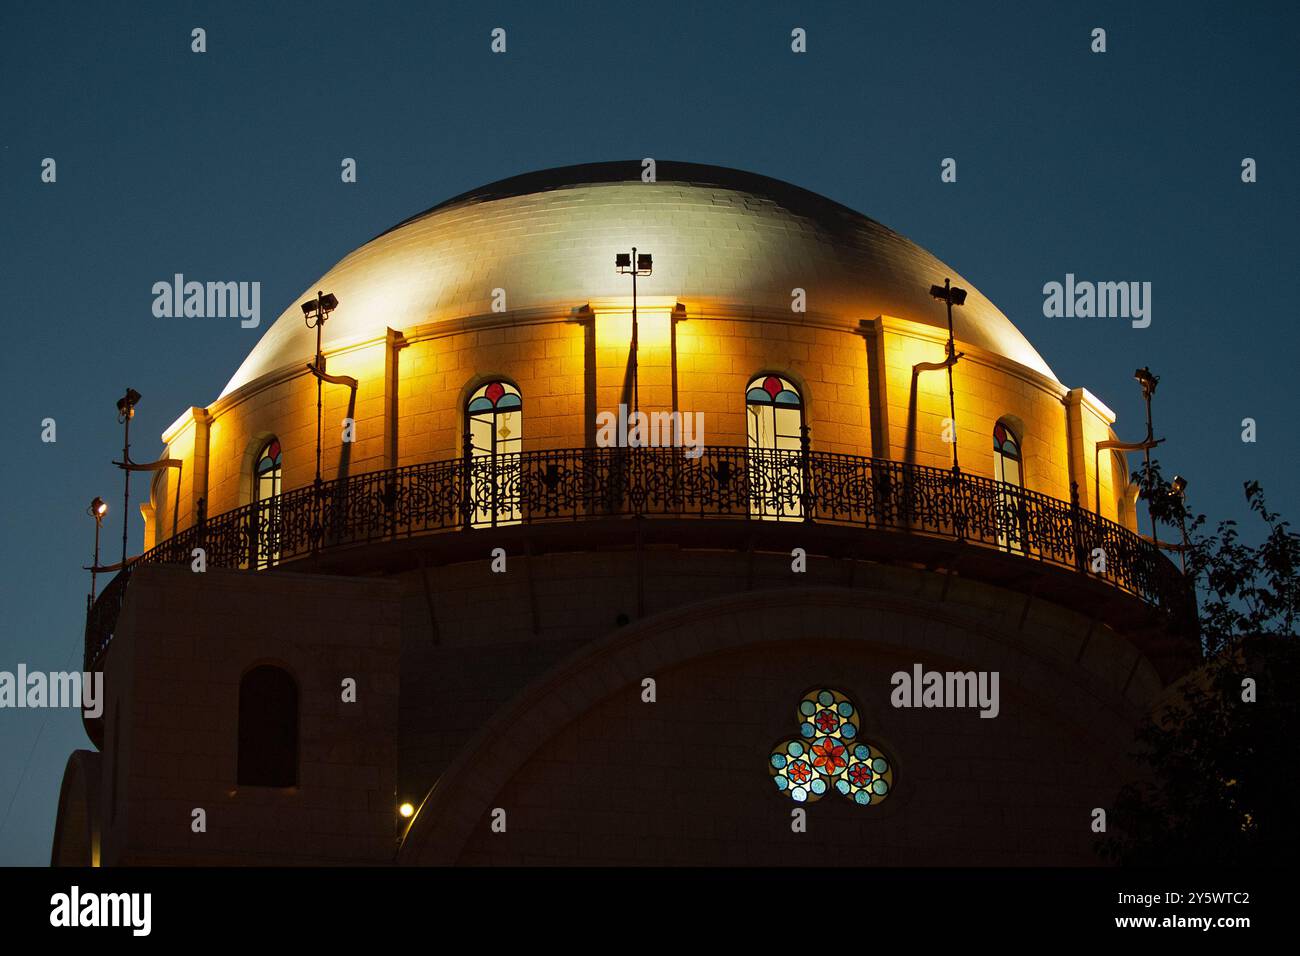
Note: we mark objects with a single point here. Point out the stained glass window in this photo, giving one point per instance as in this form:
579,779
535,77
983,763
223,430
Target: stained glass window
266,473
828,756
1007,469
494,429
774,423
266,517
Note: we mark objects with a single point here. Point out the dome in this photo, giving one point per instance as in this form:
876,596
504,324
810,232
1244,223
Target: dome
718,236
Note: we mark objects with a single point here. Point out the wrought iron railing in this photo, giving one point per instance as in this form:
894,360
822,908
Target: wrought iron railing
721,483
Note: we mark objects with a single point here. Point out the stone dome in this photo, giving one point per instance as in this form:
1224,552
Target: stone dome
718,236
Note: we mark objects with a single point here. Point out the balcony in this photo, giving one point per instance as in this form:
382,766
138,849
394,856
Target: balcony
834,504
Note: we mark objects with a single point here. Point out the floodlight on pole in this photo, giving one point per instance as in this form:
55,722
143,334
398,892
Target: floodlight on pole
1148,380
125,412
951,295
315,313
97,510
644,267
1179,488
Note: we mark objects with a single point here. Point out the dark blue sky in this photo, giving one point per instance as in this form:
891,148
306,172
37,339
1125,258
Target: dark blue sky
1121,166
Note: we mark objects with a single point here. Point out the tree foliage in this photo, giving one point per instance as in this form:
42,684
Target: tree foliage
1221,750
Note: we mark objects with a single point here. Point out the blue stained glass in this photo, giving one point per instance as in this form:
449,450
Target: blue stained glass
758,395
509,401
480,405
827,757
787,397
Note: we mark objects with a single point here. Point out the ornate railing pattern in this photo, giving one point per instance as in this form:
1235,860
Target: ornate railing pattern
736,483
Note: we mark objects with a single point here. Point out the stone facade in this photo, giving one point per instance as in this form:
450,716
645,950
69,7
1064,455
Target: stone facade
522,690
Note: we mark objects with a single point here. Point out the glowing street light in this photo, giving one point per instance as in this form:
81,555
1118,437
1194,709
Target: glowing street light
1179,487
97,510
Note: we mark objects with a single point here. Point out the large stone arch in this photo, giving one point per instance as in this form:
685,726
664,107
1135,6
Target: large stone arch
1037,663
77,827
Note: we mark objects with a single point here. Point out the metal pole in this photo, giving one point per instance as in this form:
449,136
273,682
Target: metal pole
126,494
1146,454
319,386
952,351
94,566
636,384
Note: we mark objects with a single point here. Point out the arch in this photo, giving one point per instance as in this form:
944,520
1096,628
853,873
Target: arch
267,470
268,728
253,448
265,478
1092,703
775,433
493,437
77,828
1009,473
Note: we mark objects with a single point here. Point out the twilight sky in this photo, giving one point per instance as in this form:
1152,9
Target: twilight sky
1122,166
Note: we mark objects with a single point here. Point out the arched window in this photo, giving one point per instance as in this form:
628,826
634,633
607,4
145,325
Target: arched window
494,434
1007,469
774,422
266,505
268,728
266,473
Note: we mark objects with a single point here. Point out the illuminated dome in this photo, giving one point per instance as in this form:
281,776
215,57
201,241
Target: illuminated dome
718,236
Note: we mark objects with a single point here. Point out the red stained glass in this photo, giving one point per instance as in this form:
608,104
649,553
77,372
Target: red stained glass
799,771
772,385
828,756
494,392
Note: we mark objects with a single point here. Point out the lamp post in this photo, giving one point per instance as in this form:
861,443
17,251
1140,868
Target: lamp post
315,312
125,412
644,266
951,295
1148,381
98,508
1179,488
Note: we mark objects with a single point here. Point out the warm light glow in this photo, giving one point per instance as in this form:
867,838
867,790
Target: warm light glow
614,321
407,810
